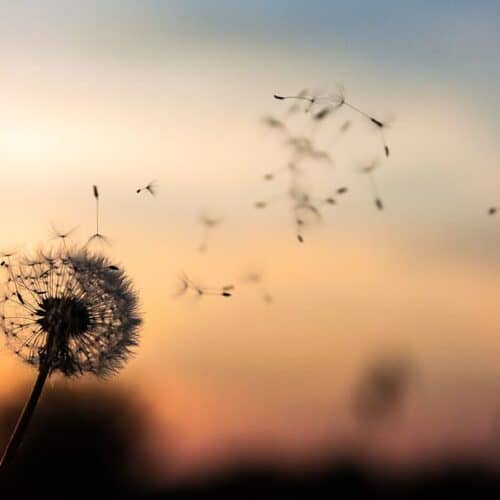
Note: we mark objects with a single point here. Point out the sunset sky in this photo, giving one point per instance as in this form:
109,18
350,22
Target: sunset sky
118,93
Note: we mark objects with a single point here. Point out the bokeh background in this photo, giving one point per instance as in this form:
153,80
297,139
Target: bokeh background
118,93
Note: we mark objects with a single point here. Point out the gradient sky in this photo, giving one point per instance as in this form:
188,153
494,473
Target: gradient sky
117,93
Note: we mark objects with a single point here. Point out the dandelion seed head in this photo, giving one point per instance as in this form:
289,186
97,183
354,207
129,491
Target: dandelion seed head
81,301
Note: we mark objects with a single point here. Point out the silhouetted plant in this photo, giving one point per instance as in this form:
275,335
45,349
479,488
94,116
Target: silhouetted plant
69,312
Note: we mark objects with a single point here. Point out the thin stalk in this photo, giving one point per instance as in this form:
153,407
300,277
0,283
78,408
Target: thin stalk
19,433
97,215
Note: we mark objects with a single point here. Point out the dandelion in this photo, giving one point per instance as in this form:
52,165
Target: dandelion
151,188
68,312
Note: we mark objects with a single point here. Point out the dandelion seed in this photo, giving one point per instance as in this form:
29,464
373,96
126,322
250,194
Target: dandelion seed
97,236
187,284
345,126
304,97
274,123
369,169
295,107
253,277
339,100
208,224
63,235
492,210
256,279
268,298
322,114
151,188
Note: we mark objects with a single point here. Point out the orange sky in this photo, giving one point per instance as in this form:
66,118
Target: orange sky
421,277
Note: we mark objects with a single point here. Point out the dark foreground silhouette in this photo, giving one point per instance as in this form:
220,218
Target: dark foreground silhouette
79,443
87,444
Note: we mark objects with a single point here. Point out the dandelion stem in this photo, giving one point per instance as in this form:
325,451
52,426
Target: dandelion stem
17,436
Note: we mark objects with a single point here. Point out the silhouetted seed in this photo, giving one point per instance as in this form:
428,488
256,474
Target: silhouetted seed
114,268
330,201
300,238
368,169
295,107
260,204
338,101
342,190
272,122
208,223
492,210
151,188
345,126
187,284
269,177
267,298
301,96
322,114
97,235
2,263
63,235
377,122
253,277
20,297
